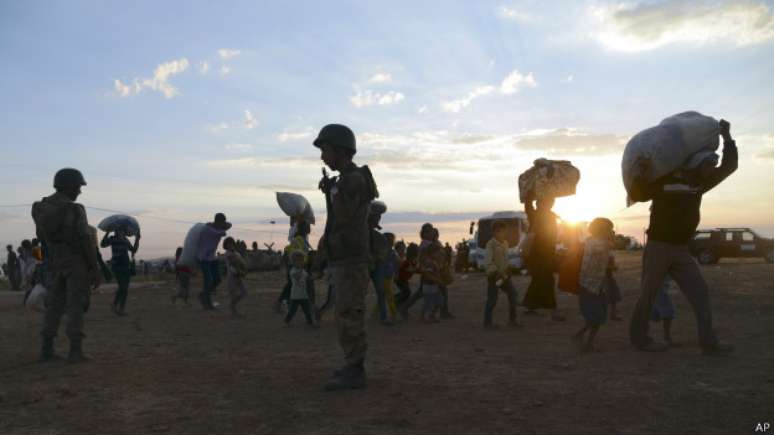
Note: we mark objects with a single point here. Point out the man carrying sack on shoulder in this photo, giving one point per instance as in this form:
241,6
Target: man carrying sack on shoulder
674,217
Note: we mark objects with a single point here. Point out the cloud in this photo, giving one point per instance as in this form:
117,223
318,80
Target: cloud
286,136
253,162
470,139
767,154
228,53
646,26
569,141
249,122
204,67
455,106
511,84
125,90
380,78
514,14
569,79
428,158
515,81
239,147
225,70
159,82
433,150
216,128
365,98
447,154
422,109
764,143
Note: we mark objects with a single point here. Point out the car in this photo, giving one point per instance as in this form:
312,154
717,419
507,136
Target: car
709,246
516,230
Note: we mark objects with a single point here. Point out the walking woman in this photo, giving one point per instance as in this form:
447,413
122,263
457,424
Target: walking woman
541,259
121,264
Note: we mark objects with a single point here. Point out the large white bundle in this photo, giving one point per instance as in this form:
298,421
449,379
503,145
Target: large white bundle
36,300
294,204
549,178
191,245
697,131
669,145
125,222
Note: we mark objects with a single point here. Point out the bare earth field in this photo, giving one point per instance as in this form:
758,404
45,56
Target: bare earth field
166,369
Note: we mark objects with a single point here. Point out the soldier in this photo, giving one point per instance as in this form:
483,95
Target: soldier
71,250
345,246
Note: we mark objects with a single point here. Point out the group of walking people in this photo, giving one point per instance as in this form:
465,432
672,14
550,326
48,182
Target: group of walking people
20,265
353,252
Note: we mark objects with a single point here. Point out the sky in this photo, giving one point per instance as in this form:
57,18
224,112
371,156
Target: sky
177,110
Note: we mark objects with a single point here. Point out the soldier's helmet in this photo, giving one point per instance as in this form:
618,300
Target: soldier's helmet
337,135
68,177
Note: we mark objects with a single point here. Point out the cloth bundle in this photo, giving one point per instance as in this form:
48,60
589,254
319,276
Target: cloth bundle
548,178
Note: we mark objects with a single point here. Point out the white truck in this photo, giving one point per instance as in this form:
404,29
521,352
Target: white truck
517,226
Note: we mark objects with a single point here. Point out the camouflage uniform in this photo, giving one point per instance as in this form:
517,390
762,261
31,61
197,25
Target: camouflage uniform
347,250
72,257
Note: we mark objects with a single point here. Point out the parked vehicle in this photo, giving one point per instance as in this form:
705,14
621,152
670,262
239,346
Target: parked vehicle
709,246
517,226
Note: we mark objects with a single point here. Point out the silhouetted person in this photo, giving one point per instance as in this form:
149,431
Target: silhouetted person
674,217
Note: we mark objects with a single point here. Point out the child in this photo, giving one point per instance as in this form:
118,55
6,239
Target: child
664,311
299,241
408,267
591,291
400,249
498,275
431,283
236,270
391,265
299,279
447,277
183,278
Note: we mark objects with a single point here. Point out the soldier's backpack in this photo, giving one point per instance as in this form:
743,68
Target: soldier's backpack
371,189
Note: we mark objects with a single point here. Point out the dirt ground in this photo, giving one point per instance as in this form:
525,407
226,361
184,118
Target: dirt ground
166,369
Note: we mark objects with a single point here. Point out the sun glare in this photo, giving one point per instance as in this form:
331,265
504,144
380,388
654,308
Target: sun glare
575,209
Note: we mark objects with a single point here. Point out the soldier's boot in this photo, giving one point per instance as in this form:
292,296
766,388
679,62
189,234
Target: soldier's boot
47,351
76,354
351,377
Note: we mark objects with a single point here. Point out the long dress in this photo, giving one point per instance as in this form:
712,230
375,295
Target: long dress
541,262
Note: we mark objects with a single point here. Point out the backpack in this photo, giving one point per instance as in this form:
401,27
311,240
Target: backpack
372,190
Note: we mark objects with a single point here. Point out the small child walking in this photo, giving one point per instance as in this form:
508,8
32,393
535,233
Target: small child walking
236,270
391,266
498,276
664,311
591,292
431,284
182,278
299,280
408,267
